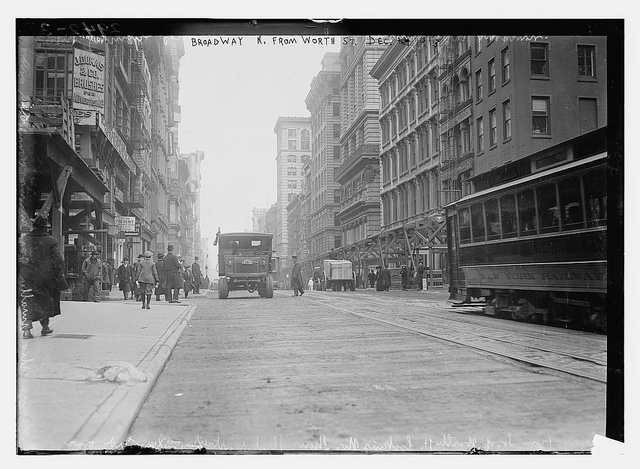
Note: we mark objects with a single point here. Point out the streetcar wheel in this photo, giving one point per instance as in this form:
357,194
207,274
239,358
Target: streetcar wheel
223,289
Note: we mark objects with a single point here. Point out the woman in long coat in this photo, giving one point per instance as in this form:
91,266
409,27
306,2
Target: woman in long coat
41,278
173,271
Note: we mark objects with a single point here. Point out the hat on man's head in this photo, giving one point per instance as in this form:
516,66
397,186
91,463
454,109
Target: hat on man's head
41,222
170,248
94,253
160,255
148,254
125,259
196,258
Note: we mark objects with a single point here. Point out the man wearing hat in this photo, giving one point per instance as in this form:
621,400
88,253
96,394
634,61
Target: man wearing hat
136,271
197,276
41,278
92,271
162,276
125,277
296,277
147,278
173,271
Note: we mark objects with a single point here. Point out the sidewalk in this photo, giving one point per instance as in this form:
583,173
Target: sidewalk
81,387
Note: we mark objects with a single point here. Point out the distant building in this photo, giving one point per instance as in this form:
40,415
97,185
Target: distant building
191,200
258,220
293,146
323,192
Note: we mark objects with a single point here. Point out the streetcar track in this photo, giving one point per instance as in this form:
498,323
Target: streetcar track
467,339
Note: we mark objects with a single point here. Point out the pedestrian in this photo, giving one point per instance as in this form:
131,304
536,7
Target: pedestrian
372,279
147,278
296,278
160,289
107,276
125,277
379,283
92,271
173,273
386,278
197,276
404,274
420,275
136,271
187,280
41,278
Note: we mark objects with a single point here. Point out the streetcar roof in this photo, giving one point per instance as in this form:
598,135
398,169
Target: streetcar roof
531,177
245,234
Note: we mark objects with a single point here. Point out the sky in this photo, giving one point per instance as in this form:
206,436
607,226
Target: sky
231,96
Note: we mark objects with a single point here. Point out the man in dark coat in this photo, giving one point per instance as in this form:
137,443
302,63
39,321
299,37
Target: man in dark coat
404,274
125,277
41,278
197,276
160,289
173,272
372,279
296,278
386,279
92,271
420,275
136,270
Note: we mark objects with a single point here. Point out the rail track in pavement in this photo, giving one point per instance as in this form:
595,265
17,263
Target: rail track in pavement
576,353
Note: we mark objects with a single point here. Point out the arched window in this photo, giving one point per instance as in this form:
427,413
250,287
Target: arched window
304,139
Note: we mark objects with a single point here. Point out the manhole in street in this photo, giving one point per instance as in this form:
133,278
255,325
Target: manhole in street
71,336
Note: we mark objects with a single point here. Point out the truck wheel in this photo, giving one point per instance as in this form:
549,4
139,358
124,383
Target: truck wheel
269,288
223,288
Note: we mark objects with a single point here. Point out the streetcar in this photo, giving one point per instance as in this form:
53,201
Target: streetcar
534,247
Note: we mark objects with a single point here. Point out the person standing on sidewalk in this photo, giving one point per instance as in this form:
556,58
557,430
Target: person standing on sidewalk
372,278
136,271
92,270
197,276
160,289
125,277
404,274
188,280
147,278
173,272
296,278
107,275
41,278
420,275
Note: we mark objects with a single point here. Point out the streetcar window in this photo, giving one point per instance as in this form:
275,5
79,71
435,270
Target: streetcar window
477,223
571,203
527,212
595,191
465,225
548,214
508,216
492,219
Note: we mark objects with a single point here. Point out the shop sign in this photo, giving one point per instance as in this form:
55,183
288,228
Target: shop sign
126,224
135,231
116,142
88,80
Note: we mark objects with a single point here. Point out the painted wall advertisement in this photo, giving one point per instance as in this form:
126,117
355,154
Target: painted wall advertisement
88,86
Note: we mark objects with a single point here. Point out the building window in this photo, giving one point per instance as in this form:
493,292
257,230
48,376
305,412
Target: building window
539,59
336,152
336,109
492,75
480,134
291,159
587,61
292,184
506,119
540,112
479,85
53,76
291,171
477,43
505,65
336,130
304,139
493,131
292,133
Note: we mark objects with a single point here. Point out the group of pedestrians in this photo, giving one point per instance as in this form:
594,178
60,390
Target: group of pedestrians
167,275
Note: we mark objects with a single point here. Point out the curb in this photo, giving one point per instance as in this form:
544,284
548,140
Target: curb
108,427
